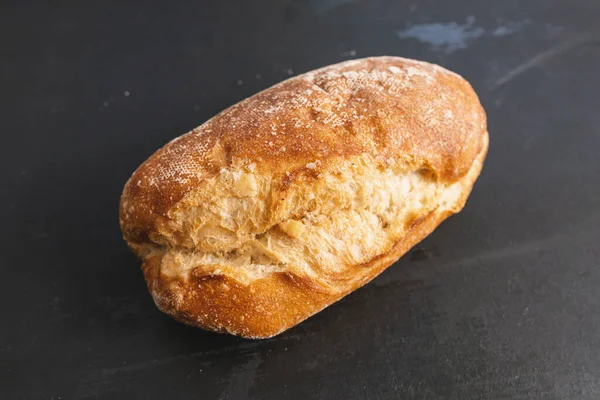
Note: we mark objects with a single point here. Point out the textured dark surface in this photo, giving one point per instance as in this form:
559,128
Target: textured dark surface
502,301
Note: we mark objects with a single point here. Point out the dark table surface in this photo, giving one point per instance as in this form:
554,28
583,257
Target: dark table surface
501,302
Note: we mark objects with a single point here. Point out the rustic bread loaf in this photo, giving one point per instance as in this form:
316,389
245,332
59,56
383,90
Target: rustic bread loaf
289,200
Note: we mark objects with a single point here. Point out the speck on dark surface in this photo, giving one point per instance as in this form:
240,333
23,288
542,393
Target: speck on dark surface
503,303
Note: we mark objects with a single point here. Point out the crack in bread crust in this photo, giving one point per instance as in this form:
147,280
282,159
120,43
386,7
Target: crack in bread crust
345,217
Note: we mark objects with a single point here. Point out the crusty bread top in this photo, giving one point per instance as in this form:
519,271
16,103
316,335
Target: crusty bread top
411,114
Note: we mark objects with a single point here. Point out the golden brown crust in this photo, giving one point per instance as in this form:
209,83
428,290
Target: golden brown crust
381,106
270,305
286,202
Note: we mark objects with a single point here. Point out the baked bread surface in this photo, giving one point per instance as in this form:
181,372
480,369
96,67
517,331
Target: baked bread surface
289,200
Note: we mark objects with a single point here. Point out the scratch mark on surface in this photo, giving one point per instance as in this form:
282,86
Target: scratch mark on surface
241,381
525,248
541,58
169,360
97,380
578,232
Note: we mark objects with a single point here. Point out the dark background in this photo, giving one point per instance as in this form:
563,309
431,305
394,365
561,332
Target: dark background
501,302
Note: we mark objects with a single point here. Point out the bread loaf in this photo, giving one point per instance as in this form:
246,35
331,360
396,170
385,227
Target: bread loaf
291,199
